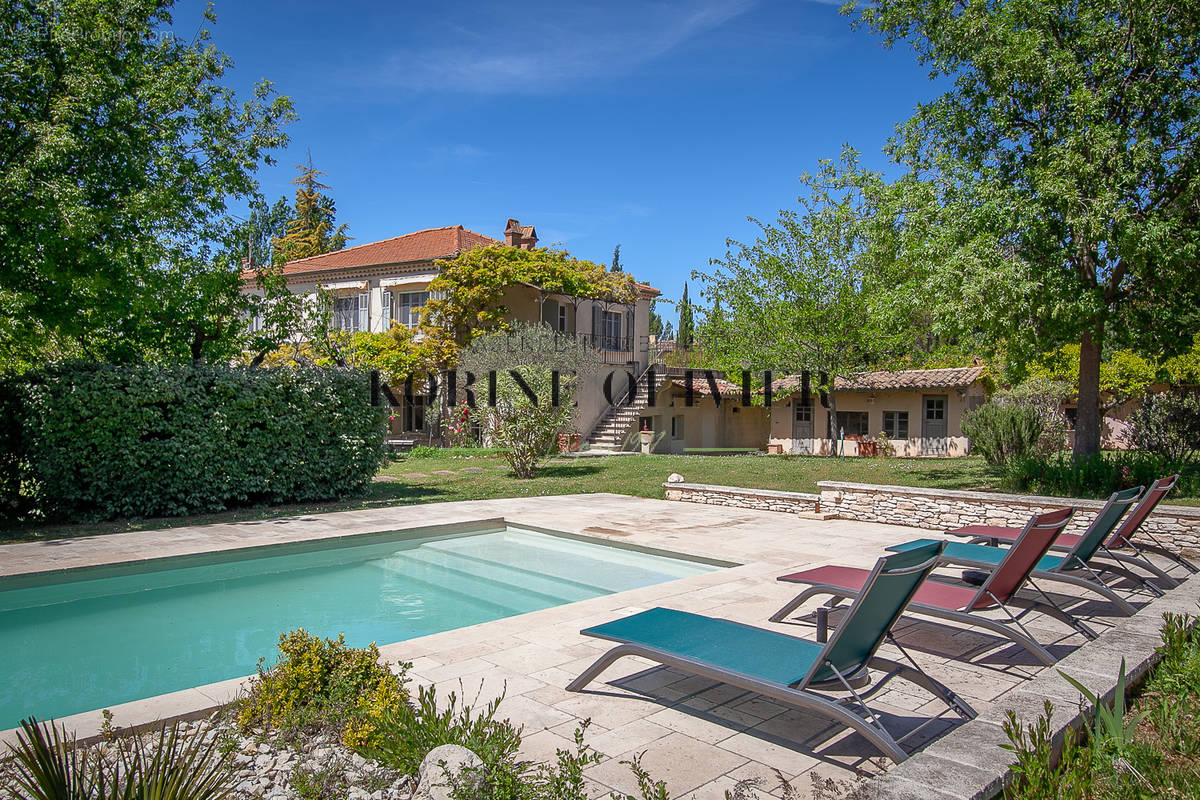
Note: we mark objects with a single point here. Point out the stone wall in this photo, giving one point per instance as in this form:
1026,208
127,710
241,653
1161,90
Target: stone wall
944,509
761,499
1177,527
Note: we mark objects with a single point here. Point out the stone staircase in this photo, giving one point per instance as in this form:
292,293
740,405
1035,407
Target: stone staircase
615,426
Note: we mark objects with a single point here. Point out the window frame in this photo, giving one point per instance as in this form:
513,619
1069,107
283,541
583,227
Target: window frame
896,429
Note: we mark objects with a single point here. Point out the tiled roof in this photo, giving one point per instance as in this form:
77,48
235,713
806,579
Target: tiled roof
700,386
947,378
420,246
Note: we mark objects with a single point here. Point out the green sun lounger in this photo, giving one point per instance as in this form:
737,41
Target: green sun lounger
793,671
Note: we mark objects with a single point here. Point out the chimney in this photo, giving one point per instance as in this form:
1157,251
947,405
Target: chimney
518,235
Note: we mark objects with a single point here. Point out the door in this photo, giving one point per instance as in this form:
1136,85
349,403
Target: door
933,424
802,428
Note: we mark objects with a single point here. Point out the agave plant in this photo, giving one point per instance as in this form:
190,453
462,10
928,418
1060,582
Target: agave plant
166,766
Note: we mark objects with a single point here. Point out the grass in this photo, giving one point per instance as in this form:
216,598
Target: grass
637,475
1153,752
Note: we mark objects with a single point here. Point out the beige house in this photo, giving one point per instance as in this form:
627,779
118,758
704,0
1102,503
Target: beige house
704,425
377,285
919,410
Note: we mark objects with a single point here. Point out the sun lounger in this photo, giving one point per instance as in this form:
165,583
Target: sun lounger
1122,538
1074,568
964,604
791,670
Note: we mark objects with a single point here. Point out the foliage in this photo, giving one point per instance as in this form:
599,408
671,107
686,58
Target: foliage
1038,775
999,431
122,148
311,230
1168,424
815,291
1115,728
457,430
1124,374
322,682
408,731
524,428
687,326
616,266
1184,369
1061,166
466,297
1097,476
101,441
168,765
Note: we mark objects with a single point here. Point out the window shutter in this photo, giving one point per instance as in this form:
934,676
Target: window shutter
387,310
364,300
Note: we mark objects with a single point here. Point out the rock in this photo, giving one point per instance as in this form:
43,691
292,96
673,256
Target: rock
675,477
433,779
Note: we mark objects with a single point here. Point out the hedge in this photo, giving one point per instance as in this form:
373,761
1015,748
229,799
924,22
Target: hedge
98,441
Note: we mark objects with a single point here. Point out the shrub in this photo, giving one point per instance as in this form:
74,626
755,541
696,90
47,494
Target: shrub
168,766
406,733
1000,431
1168,424
101,441
1097,476
323,683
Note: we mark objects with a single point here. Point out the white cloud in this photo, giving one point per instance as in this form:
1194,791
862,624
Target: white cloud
531,51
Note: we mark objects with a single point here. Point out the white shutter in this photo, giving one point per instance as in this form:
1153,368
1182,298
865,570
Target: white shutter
363,320
387,310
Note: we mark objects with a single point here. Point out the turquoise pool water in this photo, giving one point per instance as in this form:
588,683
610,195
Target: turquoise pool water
117,635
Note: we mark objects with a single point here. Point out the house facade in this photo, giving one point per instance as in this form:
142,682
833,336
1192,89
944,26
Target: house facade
380,284
919,411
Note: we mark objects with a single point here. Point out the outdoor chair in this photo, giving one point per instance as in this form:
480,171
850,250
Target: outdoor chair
1121,538
791,670
1075,568
958,603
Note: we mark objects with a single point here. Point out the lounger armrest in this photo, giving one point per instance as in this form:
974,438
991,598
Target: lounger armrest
986,531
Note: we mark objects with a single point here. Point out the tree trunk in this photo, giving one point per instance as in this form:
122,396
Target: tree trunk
1088,419
834,431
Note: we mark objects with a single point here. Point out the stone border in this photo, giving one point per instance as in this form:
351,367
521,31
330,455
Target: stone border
737,497
1177,527
969,764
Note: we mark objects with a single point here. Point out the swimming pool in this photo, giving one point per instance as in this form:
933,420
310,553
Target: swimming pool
94,638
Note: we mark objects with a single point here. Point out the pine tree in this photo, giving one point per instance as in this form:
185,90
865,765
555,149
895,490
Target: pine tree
686,324
656,320
311,231
616,260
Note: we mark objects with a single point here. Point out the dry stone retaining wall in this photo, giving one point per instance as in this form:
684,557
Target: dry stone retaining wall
761,499
1177,527
943,509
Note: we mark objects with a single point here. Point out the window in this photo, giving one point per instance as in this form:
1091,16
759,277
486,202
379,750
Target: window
408,307
895,424
676,427
803,411
345,312
414,414
852,423
610,322
646,424
562,318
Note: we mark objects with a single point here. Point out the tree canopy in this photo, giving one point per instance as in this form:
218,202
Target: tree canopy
119,150
1063,164
310,231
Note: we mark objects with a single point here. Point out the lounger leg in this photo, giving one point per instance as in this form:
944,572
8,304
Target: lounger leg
1144,563
1099,588
995,626
931,685
1168,554
602,663
1129,575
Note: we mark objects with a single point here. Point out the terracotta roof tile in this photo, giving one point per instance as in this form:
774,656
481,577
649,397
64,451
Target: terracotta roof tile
423,245
946,378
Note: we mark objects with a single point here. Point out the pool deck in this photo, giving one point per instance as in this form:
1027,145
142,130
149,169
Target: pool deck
699,736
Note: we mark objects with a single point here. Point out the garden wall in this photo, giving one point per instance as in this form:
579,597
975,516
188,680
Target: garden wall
934,509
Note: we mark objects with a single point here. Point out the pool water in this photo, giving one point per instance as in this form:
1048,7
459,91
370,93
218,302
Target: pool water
68,646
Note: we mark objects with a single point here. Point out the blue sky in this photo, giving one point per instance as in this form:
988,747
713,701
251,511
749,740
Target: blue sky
658,125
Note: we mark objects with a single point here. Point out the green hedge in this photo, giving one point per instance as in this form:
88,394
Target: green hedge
99,441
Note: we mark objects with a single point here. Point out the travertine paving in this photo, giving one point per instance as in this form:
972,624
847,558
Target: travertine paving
700,736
